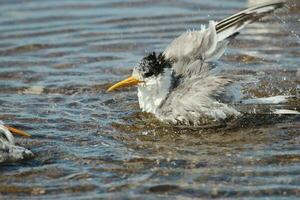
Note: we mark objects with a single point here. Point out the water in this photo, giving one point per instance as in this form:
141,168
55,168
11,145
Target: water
57,59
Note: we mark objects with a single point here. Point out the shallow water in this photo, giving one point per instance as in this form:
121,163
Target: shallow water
57,59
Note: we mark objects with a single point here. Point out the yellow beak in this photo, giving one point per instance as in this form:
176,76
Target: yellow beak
17,131
125,83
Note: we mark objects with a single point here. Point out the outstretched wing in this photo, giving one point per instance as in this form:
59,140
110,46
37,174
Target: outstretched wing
210,43
235,23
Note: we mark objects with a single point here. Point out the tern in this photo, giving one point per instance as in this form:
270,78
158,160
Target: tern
178,85
9,152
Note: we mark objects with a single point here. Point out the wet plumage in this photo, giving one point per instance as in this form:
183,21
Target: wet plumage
179,85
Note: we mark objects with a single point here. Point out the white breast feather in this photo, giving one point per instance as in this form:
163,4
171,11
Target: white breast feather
154,91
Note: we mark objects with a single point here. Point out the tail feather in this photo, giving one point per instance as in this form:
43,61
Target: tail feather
235,23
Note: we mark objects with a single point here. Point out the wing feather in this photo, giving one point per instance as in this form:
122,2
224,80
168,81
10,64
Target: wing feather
236,22
210,43
195,99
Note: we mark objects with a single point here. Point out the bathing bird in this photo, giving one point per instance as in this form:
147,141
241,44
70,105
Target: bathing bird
179,84
9,151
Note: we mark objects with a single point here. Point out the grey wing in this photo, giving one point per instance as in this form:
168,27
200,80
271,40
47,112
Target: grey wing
195,98
210,43
195,45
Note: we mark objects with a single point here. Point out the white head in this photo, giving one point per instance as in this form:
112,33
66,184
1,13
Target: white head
154,78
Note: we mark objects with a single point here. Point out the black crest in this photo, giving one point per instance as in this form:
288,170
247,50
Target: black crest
153,64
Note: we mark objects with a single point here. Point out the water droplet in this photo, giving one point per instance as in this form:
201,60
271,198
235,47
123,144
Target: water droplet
286,25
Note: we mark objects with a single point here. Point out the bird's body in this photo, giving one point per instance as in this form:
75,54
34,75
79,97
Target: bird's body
193,97
9,152
179,85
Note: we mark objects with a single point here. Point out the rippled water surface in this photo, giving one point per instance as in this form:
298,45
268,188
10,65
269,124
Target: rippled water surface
57,59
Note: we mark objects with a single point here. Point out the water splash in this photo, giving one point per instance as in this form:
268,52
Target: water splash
288,27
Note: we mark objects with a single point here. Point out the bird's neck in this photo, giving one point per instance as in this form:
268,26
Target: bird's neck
152,93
